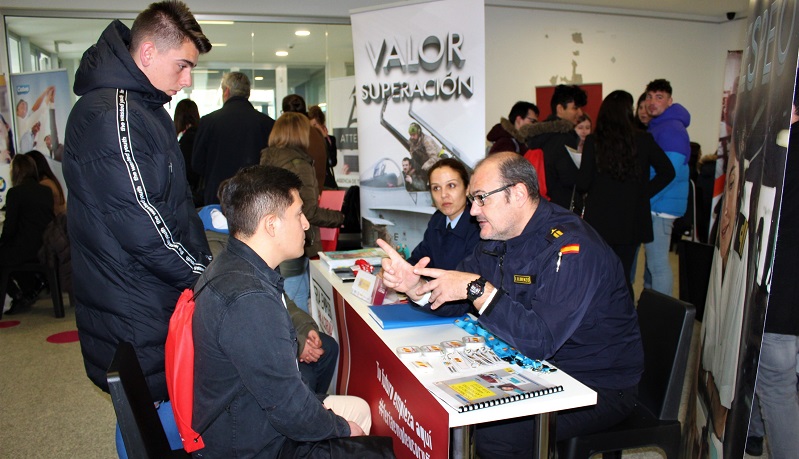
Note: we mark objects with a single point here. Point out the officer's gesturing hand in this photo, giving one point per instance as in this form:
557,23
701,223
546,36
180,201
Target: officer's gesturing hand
398,274
447,286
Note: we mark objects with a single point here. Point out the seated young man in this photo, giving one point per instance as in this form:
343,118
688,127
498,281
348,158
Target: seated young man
249,398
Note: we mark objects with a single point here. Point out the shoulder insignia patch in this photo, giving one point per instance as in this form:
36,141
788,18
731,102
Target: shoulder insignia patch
554,233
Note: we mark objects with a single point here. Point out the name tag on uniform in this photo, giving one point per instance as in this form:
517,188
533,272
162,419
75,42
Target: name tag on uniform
520,279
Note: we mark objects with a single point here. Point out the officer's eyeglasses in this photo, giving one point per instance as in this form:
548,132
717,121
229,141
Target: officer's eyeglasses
480,198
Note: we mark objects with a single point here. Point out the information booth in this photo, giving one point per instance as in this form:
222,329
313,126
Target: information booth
422,425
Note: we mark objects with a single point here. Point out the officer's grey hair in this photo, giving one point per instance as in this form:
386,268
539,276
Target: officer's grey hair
237,83
514,168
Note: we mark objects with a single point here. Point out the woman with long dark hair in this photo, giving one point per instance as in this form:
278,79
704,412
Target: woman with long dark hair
29,209
615,174
48,179
187,119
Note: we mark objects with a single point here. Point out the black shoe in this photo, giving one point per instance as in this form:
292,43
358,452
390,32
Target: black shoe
23,304
754,446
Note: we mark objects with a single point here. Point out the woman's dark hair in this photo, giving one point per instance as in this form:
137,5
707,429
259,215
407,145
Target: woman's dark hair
23,169
43,169
186,115
453,164
615,137
637,121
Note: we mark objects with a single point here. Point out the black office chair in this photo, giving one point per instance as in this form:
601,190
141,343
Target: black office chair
141,428
50,274
666,331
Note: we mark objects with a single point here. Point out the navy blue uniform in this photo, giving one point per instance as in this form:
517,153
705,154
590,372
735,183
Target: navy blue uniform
446,248
563,297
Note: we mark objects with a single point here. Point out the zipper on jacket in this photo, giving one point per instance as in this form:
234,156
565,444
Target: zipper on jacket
168,190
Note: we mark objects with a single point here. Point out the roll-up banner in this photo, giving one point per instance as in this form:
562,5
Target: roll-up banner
419,68
741,274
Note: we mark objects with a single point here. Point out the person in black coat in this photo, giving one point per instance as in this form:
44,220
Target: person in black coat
29,209
229,138
615,174
452,232
187,118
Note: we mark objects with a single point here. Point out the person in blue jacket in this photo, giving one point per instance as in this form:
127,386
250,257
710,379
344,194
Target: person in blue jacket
452,233
668,126
545,282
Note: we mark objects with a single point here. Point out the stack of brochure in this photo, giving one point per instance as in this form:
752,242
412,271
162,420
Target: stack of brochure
344,258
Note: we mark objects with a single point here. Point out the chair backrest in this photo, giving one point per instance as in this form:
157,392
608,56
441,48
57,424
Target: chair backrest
141,428
696,260
330,199
666,331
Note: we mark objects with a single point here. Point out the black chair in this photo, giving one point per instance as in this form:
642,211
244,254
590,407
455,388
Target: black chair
666,331
50,274
141,428
696,260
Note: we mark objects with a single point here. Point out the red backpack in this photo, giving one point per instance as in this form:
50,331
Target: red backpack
180,369
536,158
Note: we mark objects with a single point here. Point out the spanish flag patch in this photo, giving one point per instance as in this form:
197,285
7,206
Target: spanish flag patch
571,248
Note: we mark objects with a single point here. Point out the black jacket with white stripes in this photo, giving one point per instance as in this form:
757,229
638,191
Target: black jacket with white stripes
136,239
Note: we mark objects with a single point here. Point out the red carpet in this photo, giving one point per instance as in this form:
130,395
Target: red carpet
8,323
63,337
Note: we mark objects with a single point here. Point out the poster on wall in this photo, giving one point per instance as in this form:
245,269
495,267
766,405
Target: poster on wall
420,89
740,281
342,112
6,141
41,104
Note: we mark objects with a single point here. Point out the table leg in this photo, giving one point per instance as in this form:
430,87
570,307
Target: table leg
546,447
461,446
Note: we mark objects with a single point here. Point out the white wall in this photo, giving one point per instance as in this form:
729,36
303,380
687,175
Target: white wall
527,48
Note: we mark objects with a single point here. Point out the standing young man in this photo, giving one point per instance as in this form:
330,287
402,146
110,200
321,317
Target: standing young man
136,239
668,127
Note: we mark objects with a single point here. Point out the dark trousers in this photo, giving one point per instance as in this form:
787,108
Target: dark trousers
626,253
513,438
319,374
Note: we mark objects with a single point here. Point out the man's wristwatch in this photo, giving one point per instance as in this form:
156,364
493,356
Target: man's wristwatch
475,289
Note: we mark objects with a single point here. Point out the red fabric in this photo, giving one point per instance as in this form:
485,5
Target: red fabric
536,158
330,199
180,370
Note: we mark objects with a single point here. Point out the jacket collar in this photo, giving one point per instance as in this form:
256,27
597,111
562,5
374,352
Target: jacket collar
261,269
108,64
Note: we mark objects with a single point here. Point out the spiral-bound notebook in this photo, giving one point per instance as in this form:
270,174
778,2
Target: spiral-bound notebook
491,388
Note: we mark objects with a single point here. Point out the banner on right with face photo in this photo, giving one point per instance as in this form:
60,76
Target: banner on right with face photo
739,291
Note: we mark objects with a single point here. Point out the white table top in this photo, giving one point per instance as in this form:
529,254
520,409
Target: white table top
575,394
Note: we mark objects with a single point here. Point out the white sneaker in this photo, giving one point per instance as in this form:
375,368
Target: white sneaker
7,304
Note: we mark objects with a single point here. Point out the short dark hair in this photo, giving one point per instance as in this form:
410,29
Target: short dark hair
237,83
168,24
453,164
254,192
659,85
515,169
186,115
520,109
294,103
564,94
23,169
